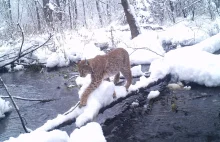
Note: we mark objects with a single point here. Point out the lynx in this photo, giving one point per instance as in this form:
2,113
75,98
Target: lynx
104,66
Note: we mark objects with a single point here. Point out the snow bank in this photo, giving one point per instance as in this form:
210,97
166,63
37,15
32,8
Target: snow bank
4,107
190,63
42,136
194,66
92,132
209,45
184,34
136,71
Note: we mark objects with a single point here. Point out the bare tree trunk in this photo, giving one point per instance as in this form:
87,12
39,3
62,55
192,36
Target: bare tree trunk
38,17
76,11
69,8
211,10
130,16
172,11
59,14
193,13
18,11
84,13
9,11
99,12
108,12
48,13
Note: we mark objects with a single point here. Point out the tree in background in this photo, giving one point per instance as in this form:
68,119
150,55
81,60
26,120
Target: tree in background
131,18
57,15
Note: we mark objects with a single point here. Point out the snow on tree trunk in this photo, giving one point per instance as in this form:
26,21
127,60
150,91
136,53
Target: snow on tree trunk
131,18
99,12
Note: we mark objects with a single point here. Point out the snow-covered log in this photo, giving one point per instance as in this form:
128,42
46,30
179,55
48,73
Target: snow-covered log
99,101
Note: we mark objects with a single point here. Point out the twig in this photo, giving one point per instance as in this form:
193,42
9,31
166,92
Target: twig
16,107
135,49
27,99
22,35
71,109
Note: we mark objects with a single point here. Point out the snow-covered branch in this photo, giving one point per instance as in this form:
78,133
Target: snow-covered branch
25,52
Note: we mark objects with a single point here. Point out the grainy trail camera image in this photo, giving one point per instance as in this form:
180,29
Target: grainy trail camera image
109,70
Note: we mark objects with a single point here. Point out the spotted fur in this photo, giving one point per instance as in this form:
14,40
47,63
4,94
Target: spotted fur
104,66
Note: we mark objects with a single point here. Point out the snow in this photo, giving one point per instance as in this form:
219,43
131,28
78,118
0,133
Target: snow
51,6
41,136
138,48
99,98
191,64
153,94
203,69
18,67
136,71
4,107
209,45
194,63
92,132
183,34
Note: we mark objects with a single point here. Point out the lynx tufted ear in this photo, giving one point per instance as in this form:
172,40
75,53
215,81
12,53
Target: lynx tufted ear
87,63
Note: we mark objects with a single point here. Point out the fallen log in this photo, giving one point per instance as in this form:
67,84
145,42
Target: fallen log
140,95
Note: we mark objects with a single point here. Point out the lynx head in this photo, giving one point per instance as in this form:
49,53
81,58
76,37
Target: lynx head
84,68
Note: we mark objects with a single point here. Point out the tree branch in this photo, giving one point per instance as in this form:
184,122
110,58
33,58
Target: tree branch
22,35
16,107
23,54
27,99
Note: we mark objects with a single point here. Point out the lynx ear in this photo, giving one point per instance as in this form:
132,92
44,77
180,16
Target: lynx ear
87,63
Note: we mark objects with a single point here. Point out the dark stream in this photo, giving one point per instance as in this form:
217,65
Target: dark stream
30,84
196,117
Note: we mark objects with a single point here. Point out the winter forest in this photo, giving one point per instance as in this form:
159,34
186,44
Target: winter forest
37,17
173,48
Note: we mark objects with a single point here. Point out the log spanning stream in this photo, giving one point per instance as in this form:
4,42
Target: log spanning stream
180,115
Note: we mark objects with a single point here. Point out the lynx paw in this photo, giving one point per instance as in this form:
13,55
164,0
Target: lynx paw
114,95
82,104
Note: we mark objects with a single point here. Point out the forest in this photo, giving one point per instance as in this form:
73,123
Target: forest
173,48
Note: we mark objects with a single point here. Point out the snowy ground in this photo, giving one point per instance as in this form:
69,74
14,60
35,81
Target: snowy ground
194,63
4,107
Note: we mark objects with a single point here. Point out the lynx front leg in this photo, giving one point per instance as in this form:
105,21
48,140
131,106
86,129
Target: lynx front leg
116,78
88,91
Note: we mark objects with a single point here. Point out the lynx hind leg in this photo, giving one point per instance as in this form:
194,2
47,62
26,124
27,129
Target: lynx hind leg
127,74
107,79
116,78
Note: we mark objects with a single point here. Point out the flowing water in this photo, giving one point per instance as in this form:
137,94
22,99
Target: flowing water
35,85
182,115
